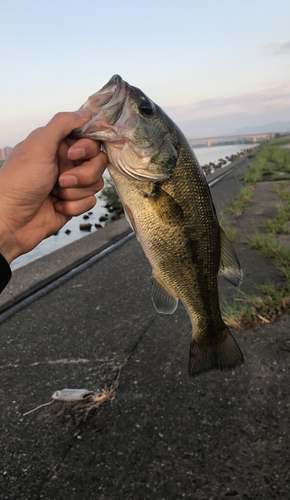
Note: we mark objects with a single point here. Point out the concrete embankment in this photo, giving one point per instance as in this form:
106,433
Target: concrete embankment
42,272
163,435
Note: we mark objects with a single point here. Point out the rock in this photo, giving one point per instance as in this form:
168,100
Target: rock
85,227
206,169
67,231
86,217
102,219
98,226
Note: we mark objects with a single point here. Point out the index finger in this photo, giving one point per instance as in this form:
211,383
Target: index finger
82,149
61,125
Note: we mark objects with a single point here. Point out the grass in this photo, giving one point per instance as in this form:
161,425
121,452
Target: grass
278,225
231,233
272,161
271,301
258,309
1,163
268,247
238,204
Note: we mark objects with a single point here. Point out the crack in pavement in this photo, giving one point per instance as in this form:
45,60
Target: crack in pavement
63,361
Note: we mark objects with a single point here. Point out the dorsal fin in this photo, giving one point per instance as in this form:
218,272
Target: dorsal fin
230,268
164,302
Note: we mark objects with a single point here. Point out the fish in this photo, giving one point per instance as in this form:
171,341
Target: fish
168,204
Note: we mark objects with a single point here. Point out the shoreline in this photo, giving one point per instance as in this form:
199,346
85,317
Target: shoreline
71,232
34,276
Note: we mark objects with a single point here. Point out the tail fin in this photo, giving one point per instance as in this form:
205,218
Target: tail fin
225,355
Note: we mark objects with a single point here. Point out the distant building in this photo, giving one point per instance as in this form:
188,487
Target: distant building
4,152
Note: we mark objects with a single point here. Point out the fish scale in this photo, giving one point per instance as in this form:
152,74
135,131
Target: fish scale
168,204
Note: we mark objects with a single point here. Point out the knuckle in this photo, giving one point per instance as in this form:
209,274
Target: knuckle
60,115
68,208
99,185
91,147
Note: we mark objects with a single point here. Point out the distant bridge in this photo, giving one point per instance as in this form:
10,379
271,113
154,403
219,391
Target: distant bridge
209,140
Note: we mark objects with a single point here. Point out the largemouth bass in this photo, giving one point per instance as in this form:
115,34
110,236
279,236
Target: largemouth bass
169,206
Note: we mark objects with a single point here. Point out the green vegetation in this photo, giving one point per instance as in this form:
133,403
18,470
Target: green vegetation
110,196
240,202
272,163
1,163
278,225
231,233
252,311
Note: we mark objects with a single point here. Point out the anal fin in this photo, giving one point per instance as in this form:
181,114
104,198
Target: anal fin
164,302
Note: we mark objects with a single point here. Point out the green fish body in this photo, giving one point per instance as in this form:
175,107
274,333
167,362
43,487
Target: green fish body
169,206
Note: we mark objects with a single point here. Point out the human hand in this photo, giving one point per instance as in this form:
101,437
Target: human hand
46,180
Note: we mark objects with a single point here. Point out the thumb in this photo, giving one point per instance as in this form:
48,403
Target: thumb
61,125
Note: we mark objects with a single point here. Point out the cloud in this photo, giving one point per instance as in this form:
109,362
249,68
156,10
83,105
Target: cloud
223,125
274,96
224,115
276,48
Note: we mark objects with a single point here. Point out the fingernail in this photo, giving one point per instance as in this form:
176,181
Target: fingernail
75,153
66,181
84,113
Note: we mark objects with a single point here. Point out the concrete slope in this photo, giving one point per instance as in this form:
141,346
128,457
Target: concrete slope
164,435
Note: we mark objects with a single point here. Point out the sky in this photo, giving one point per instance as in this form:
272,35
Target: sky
215,66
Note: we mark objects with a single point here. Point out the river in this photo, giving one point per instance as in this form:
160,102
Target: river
204,156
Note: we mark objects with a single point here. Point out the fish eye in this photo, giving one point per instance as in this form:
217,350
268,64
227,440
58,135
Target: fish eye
146,108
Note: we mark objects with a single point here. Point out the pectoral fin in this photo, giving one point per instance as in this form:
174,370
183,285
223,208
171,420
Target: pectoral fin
164,302
129,217
165,206
230,268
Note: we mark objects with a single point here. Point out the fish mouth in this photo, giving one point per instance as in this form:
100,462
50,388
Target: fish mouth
111,112
116,122
112,93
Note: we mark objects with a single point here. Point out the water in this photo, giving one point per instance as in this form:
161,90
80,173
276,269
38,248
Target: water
61,238
204,156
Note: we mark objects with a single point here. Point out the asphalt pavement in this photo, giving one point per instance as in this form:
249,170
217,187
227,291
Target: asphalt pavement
90,324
